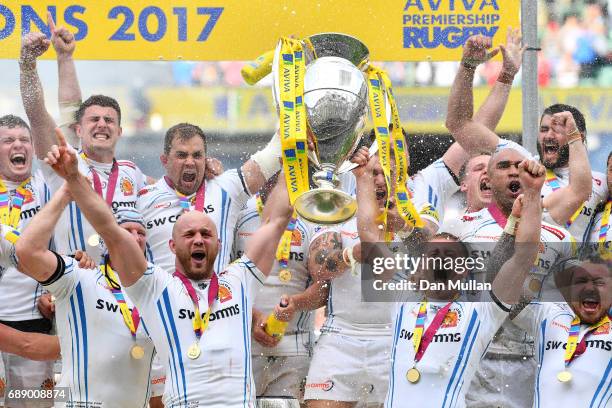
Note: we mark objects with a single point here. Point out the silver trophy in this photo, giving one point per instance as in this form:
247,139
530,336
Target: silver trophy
336,100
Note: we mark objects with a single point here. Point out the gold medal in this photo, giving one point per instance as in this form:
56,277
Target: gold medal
564,376
93,240
413,375
193,351
535,285
284,275
137,352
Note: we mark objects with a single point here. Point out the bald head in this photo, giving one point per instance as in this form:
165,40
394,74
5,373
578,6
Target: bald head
196,243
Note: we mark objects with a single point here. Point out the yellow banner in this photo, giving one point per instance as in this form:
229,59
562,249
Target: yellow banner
394,30
422,110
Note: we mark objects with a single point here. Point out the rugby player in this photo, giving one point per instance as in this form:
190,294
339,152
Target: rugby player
600,228
24,194
460,330
574,338
280,364
207,354
98,126
99,328
568,201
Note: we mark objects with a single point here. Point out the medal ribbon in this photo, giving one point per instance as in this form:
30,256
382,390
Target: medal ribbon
185,201
422,341
406,208
292,117
553,182
603,230
130,318
200,325
574,349
112,180
259,205
11,218
284,246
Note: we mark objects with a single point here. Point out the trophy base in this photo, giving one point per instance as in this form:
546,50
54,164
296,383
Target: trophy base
326,206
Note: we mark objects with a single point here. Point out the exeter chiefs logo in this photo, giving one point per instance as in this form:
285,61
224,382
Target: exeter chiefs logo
451,319
28,195
296,238
225,293
603,329
127,188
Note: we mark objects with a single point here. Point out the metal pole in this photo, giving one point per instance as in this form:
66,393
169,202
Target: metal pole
529,29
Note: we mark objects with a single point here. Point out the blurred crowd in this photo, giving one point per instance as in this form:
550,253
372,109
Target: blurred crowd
574,36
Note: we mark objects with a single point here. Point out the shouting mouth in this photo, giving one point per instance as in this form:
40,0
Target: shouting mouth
18,159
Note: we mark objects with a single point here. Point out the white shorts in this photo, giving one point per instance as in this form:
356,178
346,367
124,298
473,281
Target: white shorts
349,369
502,383
21,373
158,377
280,376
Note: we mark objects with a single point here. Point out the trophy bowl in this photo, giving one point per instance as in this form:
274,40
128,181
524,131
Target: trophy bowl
335,96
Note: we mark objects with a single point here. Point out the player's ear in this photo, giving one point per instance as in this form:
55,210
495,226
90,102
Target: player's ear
163,159
172,246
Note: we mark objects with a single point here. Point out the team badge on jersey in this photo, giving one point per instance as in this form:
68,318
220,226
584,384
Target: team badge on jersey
225,293
603,329
296,237
28,195
127,188
451,319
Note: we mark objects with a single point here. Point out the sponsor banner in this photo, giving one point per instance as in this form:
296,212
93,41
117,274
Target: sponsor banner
394,30
422,110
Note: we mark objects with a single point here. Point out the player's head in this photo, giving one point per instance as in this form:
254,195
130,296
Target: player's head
475,182
98,124
132,221
16,149
195,243
504,178
184,157
438,265
590,288
552,146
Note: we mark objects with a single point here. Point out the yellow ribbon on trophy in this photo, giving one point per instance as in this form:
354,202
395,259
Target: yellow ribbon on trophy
406,208
378,78
293,117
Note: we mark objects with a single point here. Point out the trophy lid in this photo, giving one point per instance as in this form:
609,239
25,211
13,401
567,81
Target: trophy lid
340,45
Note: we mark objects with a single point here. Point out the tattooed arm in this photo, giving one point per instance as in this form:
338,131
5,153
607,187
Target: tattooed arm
325,259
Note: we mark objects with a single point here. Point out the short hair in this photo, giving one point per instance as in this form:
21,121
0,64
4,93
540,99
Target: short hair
98,100
463,169
560,107
185,131
12,121
451,238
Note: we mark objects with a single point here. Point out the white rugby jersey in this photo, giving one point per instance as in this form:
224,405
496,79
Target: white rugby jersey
591,383
19,293
347,314
557,245
95,343
73,230
433,187
298,335
225,195
579,228
221,376
450,361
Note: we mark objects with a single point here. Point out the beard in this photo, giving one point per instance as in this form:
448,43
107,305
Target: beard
562,157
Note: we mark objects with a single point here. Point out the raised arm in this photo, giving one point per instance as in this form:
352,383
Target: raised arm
508,284
33,45
33,346
564,202
35,259
277,211
492,109
475,137
127,258
69,92
263,164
